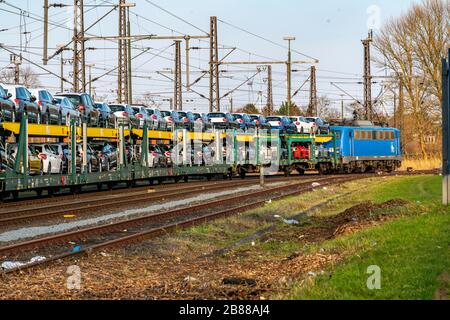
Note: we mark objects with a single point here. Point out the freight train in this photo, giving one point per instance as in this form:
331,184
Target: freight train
225,153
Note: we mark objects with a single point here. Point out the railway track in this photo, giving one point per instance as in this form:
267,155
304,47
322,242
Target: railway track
55,247
85,206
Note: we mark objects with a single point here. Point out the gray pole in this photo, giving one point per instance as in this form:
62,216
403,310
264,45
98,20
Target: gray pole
446,130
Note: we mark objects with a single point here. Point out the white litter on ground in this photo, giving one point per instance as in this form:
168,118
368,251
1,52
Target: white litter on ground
291,221
31,232
8,265
315,184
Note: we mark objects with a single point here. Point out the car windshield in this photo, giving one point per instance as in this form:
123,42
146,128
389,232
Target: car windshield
166,113
311,119
116,108
136,109
2,92
216,115
150,112
76,100
182,114
273,119
238,116
254,118
23,93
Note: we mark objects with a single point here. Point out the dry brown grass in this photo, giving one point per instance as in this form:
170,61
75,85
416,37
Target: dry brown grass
418,164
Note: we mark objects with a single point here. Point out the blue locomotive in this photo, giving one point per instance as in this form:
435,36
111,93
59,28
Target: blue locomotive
366,148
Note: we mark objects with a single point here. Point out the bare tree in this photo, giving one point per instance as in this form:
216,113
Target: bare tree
412,47
27,77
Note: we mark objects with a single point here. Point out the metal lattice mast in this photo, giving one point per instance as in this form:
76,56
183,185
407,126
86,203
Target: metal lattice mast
79,63
178,90
122,89
312,107
367,79
269,90
214,93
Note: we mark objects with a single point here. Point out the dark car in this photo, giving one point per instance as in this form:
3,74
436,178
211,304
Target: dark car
200,120
260,121
322,126
24,103
48,106
244,121
185,120
68,110
108,154
177,120
106,119
93,161
156,119
84,103
6,106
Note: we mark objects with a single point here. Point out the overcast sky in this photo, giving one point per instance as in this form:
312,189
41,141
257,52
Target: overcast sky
327,30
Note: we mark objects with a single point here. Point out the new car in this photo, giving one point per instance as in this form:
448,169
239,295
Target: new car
221,120
52,162
156,121
35,166
24,103
48,107
244,121
303,125
6,105
141,114
108,154
281,123
199,120
85,105
260,121
106,119
122,114
68,110
322,127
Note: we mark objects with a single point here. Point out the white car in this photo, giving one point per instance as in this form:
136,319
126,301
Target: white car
51,162
303,125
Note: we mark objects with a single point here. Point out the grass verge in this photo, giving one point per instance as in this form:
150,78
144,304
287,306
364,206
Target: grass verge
411,252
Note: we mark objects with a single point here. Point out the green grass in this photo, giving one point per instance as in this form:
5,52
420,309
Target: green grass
411,251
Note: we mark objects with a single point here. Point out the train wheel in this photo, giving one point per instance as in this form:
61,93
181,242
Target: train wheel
50,192
208,177
15,195
39,193
109,186
186,178
99,186
160,181
242,174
